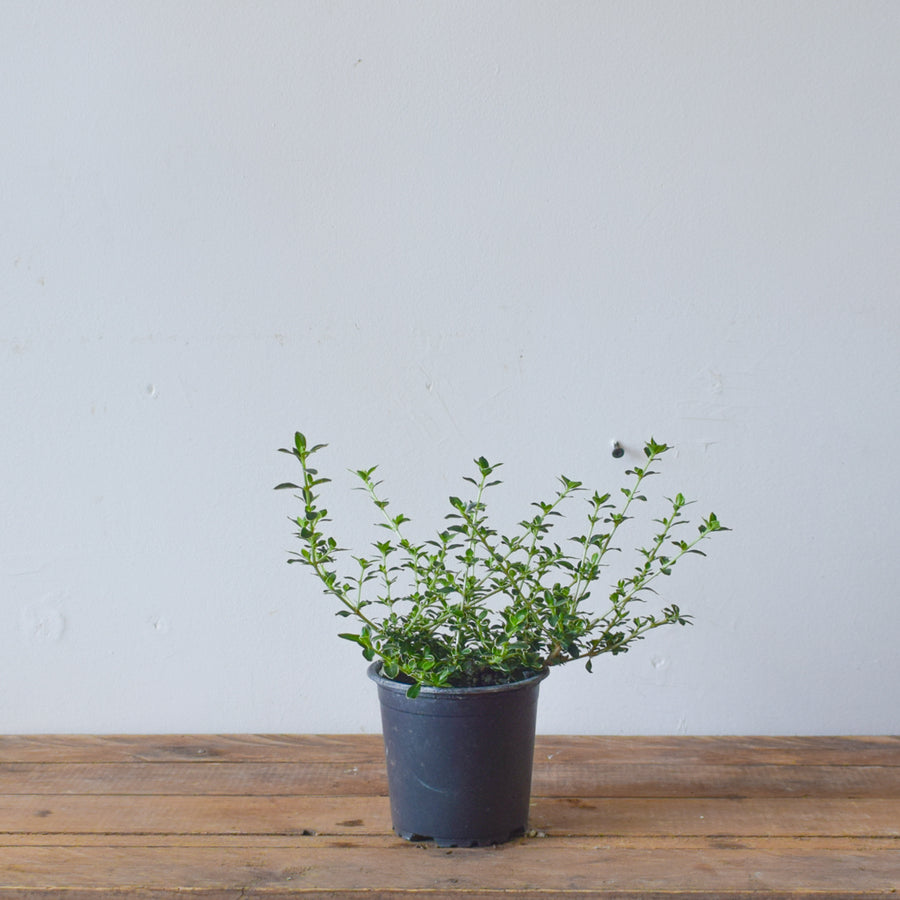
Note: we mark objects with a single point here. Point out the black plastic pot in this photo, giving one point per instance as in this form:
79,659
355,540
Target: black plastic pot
459,760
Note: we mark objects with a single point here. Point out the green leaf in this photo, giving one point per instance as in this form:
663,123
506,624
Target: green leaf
390,669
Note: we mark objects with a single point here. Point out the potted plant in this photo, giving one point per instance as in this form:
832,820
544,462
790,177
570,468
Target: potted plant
461,628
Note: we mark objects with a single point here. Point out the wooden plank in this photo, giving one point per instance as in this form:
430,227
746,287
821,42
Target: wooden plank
880,750
735,781
400,893
701,816
518,869
55,814
231,778
204,748
557,779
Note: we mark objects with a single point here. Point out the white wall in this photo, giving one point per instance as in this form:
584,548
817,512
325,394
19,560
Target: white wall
422,232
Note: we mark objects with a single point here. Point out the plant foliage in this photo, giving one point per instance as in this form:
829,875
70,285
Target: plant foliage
474,607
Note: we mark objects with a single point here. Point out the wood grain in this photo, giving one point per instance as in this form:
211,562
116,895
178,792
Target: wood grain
516,868
559,778
238,816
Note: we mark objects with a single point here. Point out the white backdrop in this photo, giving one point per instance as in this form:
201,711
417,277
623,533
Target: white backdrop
421,233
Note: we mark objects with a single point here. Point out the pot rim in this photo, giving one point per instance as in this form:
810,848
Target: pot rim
399,687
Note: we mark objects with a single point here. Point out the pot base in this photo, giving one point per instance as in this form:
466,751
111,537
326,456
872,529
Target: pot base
467,841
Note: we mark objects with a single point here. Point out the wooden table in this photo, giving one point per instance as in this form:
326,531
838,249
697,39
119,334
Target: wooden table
245,816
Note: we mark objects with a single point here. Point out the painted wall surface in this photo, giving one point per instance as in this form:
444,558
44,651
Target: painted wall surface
422,232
